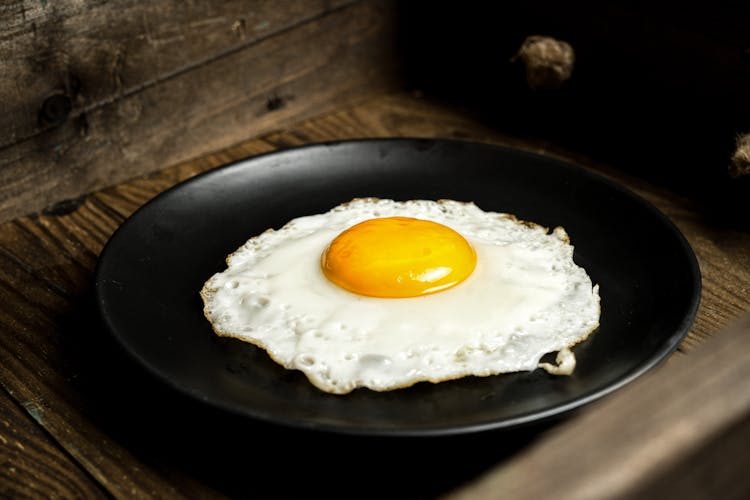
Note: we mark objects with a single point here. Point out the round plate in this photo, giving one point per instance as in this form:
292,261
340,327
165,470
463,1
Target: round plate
151,271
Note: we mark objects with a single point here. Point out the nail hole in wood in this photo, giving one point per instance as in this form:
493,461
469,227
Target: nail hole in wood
55,110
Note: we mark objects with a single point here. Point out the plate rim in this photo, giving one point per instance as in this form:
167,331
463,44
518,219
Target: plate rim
669,344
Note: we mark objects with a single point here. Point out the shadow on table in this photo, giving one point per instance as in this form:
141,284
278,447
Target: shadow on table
181,438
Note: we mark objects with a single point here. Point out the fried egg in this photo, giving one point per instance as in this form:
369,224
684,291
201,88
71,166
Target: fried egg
384,294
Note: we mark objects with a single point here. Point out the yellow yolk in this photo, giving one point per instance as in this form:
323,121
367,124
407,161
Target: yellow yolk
398,257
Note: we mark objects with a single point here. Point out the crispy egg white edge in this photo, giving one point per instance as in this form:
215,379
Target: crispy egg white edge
565,359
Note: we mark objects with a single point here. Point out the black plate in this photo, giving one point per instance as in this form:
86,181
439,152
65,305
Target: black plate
151,270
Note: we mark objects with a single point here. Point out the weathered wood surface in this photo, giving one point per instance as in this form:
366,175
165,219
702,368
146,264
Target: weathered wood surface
680,432
95,93
136,439
31,463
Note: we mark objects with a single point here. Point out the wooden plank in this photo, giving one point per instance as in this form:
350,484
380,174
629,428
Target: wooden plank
32,464
46,265
40,361
680,432
99,51
169,82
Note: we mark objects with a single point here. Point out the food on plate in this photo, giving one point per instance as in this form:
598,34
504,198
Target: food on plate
384,294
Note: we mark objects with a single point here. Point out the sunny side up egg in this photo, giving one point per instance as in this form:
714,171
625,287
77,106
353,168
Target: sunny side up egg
384,294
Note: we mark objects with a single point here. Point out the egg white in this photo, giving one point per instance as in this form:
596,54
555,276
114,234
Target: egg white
525,298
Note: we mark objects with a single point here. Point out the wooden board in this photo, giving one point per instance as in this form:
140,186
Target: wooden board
136,438
32,463
97,93
680,432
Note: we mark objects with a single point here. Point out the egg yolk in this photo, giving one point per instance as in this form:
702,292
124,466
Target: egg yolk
398,257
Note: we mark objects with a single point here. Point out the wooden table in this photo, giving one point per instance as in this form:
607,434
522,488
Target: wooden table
79,420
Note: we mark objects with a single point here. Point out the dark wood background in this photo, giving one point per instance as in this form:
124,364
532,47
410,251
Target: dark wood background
107,103
659,89
94,93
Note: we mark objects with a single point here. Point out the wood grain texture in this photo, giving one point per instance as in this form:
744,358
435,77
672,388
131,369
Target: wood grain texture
136,87
43,282
137,440
100,51
46,265
679,432
31,464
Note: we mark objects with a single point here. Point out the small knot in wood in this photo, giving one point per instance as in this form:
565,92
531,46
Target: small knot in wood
549,62
55,110
739,165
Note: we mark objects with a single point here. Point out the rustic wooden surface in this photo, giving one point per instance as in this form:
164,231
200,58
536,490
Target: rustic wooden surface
133,438
89,90
676,433
33,465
